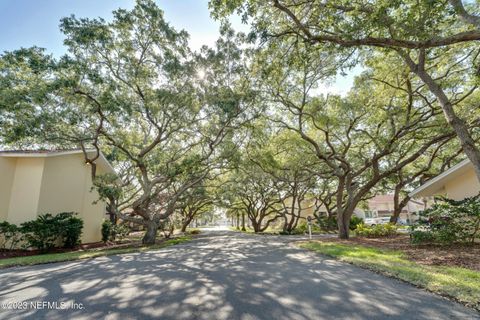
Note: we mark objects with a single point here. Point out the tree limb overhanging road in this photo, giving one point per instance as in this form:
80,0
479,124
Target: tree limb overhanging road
220,275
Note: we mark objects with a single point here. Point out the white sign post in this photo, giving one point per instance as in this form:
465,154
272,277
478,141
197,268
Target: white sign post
309,221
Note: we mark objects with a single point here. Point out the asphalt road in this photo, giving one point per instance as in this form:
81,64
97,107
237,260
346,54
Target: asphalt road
220,275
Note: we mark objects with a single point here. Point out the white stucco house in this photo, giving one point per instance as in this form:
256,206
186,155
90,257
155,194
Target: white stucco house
457,183
38,182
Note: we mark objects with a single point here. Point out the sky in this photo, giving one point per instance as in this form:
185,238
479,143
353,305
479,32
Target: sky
26,23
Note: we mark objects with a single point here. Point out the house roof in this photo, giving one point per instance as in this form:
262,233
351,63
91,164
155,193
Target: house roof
437,184
102,161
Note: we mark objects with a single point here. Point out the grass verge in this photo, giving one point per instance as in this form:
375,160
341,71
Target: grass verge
87,254
461,284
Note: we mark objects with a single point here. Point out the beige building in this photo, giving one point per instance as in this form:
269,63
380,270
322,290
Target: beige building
383,206
457,183
38,182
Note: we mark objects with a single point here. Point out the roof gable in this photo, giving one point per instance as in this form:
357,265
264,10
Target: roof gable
102,161
436,184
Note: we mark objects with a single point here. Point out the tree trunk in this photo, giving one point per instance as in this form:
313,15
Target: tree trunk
185,224
255,226
151,233
292,221
343,232
285,223
395,215
238,221
243,222
295,224
343,222
396,206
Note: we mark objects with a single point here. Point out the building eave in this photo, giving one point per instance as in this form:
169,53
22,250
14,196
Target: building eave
435,184
57,153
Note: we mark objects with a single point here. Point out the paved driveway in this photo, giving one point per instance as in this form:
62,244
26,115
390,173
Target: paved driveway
221,275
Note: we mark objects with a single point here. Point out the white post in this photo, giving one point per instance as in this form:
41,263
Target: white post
310,230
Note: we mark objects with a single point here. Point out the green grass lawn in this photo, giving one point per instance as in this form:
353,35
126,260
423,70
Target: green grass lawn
87,254
458,283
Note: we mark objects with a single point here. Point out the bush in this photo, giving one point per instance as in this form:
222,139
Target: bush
449,221
167,226
330,223
302,228
194,231
11,235
71,228
106,230
42,233
327,223
47,231
119,232
417,237
114,232
377,231
354,221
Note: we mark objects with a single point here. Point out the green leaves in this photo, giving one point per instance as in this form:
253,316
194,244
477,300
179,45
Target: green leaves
451,221
46,231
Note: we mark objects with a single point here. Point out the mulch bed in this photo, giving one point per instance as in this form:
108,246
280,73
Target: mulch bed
458,255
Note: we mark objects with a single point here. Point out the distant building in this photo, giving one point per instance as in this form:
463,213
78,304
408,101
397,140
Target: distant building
38,182
383,206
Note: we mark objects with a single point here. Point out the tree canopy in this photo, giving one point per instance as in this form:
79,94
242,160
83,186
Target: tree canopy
244,126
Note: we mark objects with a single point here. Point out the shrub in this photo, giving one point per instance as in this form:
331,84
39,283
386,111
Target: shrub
354,221
377,231
114,232
106,230
449,221
327,223
167,226
417,237
302,228
42,233
47,231
11,235
70,228
119,232
330,223
194,231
